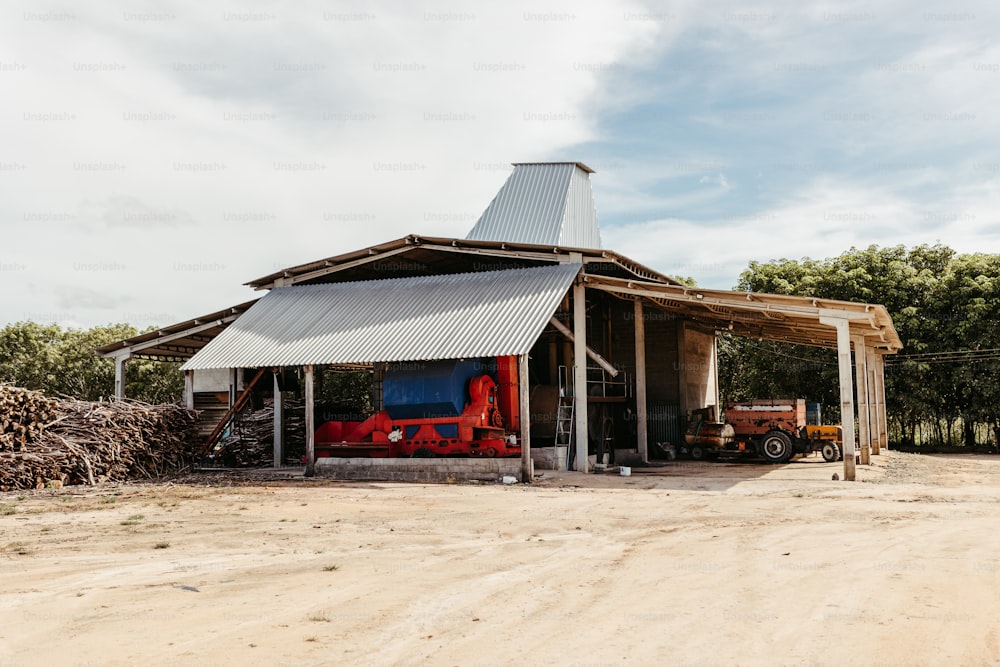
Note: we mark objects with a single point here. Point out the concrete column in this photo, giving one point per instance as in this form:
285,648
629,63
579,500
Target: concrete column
641,429
864,414
523,389
189,390
580,374
883,428
846,390
875,415
120,377
279,424
715,371
682,380
310,425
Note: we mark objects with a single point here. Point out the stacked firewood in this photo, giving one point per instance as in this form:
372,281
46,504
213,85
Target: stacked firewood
250,440
23,415
77,442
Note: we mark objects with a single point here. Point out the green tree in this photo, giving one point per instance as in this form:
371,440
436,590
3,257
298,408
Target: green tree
62,362
940,302
28,354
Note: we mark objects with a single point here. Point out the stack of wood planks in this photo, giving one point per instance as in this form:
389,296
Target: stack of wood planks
250,440
46,441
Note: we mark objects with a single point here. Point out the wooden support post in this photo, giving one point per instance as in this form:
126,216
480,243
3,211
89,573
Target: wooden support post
553,361
120,376
682,381
883,426
189,390
310,425
523,388
641,427
279,422
580,375
846,390
875,415
864,415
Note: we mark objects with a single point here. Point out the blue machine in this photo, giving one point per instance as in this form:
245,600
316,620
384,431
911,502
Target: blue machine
432,389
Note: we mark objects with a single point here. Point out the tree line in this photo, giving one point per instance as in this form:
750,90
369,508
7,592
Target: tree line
62,362
942,389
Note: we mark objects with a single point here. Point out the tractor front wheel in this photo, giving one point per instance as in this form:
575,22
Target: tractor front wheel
830,452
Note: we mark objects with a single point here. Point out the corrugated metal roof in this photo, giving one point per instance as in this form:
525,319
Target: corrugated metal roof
580,226
176,341
542,203
452,316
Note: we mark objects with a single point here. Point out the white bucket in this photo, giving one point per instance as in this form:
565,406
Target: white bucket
625,471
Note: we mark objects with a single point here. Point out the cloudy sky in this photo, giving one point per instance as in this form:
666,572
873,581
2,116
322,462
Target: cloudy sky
156,156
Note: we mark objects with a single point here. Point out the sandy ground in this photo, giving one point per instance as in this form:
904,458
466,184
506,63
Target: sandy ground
691,564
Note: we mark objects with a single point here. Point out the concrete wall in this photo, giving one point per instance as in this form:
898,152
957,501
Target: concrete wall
697,367
418,470
217,379
662,363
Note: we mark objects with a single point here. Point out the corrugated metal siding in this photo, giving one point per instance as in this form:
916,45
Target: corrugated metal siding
529,207
579,227
403,319
663,424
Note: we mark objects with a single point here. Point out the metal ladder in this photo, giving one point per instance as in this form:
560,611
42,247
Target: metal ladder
564,421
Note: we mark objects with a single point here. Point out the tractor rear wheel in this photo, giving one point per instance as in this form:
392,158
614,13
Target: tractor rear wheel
776,447
830,452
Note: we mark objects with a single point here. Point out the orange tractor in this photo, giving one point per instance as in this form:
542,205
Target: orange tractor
774,429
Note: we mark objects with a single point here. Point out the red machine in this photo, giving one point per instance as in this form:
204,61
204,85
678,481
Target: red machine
427,419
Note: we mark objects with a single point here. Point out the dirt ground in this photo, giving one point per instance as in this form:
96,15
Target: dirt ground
689,564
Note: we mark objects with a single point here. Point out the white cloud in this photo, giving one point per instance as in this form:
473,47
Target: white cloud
823,220
203,145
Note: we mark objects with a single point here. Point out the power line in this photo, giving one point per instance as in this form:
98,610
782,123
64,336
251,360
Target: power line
775,352
949,357
915,355
946,357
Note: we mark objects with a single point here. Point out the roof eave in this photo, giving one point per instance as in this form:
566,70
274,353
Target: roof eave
540,252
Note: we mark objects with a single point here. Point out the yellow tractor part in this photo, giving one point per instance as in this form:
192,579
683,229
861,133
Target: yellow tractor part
829,440
834,433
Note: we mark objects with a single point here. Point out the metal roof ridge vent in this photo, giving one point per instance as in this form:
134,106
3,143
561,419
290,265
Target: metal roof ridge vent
543,203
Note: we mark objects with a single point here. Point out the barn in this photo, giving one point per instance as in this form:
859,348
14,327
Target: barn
525,344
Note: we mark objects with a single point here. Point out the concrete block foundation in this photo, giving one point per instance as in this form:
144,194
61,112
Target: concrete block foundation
418,470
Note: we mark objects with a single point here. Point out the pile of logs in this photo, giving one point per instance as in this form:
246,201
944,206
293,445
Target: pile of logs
250,442
23,415
61,442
